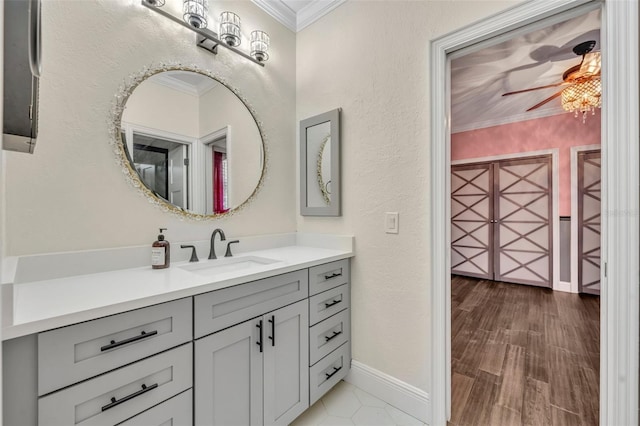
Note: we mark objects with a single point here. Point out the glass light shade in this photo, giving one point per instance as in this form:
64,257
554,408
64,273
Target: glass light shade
230,28
582,97
195,12
259,45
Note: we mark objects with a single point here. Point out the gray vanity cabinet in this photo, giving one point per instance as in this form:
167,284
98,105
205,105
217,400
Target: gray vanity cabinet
175,412
286,357
228,386
329,326
257,353
255,372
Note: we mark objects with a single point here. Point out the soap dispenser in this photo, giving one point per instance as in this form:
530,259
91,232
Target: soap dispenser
160,252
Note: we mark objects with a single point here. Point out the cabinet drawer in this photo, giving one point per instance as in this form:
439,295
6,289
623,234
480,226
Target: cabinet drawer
120,394
175,412
329,371
71,354
327,335
223,308
329,275
327,303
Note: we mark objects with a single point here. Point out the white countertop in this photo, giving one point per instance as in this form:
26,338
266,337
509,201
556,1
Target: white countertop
46,304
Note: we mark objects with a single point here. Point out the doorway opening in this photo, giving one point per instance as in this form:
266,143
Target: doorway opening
619,236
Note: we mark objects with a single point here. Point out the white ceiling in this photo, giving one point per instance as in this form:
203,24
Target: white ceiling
538,58
297,14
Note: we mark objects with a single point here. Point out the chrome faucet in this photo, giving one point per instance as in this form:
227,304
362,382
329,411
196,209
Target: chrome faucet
212,251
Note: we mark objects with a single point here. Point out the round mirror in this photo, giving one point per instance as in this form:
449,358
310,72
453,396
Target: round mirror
190,142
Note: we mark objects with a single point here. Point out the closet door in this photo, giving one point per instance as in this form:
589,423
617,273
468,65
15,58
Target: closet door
589,196
471,213
523,237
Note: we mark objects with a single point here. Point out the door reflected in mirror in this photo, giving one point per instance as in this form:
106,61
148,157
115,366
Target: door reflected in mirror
192,142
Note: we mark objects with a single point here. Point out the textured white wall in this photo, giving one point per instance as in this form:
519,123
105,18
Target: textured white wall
372,59
70,195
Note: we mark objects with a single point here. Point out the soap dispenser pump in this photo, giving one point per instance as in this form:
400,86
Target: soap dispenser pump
160,252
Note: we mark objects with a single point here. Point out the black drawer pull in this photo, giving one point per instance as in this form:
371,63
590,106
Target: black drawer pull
335,370
333,302
335,334
141,336
115,401
337,274
259,342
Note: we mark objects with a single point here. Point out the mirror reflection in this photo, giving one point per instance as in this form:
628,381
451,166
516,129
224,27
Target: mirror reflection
324,169
319,165
192,142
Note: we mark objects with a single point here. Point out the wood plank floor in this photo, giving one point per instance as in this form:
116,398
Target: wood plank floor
523,355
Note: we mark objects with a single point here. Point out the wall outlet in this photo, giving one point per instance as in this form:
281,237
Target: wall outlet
391,222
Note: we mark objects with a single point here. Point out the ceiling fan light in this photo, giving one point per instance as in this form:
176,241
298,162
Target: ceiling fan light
582,97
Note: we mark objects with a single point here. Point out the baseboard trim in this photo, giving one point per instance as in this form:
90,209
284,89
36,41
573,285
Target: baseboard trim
564,286
401,395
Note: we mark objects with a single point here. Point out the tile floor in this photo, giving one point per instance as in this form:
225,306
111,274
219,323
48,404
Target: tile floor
346,404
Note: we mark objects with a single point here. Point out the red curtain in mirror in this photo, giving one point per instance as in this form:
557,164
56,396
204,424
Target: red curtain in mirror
218,182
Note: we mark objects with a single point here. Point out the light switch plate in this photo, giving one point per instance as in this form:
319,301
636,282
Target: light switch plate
391,222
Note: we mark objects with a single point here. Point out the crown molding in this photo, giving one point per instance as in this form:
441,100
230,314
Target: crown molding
314,11
282,13
180,86
279,11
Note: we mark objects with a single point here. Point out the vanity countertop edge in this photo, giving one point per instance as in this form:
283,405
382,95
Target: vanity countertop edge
44,305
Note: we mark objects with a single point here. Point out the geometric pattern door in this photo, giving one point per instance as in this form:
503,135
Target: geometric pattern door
589,196
501,220
523,209
471,227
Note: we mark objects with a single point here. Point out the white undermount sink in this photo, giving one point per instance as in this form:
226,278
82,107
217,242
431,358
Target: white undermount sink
227,264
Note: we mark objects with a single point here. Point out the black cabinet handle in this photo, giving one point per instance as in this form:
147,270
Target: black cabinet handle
335,334
259,342
272,320
115,401
337,274
335,370
333,302
115,344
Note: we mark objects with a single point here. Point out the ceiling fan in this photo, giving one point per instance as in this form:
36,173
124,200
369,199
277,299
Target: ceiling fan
584,76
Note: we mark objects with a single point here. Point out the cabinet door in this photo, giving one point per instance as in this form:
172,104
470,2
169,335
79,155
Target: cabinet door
228,379
286,361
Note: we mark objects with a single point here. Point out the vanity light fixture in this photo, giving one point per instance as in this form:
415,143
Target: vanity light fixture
259,45
195,13
195,18
230,28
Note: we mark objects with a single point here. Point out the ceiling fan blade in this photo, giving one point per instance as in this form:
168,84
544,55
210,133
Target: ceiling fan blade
535,88
590,65
549,99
